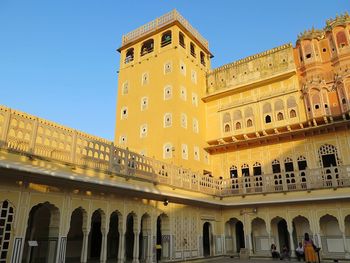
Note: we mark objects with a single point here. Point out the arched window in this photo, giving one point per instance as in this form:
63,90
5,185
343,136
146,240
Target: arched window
249,123
245,170
257,169
341,39
167,151
328,155
302,163
147,47
238,125
129,56
193,49
226,120
308,51
280,116
288,164
202,58
233,171
182,40
276,167
267,119
292,114
166,39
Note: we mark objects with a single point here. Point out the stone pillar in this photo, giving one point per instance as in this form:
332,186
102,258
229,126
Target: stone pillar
136,245
346,247
103,256
291,241
84,249
121,248
247,233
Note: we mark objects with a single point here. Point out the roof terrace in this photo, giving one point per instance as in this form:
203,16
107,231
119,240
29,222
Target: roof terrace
160,22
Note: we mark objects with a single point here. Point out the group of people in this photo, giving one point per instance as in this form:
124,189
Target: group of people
306,251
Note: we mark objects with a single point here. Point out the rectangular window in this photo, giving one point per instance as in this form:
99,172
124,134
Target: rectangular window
184,151
195,99
196,153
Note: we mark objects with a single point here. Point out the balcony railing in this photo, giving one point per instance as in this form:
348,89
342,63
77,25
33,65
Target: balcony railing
38,138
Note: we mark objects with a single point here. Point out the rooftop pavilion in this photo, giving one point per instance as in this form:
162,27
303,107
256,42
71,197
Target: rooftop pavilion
161,22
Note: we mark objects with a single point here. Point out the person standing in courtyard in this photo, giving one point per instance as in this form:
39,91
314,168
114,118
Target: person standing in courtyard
309,249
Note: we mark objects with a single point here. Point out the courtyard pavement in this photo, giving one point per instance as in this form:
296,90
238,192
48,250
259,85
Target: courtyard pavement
237,260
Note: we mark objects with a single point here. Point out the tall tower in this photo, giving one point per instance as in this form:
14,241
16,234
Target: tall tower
162,77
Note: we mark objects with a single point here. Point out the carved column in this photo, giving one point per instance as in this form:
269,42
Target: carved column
291,241
121,248
136,243
84,249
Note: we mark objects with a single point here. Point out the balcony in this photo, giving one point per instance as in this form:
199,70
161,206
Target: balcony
40,139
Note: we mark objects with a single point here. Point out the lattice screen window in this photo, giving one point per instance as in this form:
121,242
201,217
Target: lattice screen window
196,153
167,151
194,76
144,103
125,88
143,130
183,93
6,220
124,113
195,99
183,68
183,120
145,78
167,120
167,92
184,151
167,67
195,125
122,139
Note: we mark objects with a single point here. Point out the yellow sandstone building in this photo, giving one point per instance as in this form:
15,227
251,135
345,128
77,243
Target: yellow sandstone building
205,162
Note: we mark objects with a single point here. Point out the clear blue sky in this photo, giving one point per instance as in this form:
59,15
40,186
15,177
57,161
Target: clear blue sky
58,59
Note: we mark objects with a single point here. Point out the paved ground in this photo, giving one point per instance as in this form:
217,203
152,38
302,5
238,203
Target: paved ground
237,260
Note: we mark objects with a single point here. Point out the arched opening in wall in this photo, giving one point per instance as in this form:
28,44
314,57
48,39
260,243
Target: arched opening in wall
267,119
207,239
280,232
292,114
280,116
246,174
328,155
163,237
240,242
147,47
75,235
95,236
341,39
129,238
347,227
257,172
113,236
238,126
249,123
6,220
302,165
226,120
193,49
144,238
182,40
129,56
159,239
234,236
42,231
166,39
329,160
276,167
234,176
202,58
331,236
290,175
260,237
301,225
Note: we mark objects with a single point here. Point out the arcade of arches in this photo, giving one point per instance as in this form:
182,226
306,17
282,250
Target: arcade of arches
53,227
